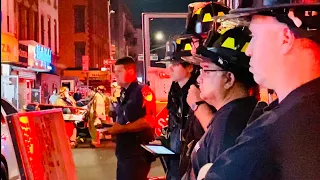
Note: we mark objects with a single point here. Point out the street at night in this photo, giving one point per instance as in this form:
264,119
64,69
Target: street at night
100,163
160,90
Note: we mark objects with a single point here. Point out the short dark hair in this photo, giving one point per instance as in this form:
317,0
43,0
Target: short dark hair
127,62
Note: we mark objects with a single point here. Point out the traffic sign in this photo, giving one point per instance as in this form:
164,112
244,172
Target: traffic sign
109,61
153,57
140,57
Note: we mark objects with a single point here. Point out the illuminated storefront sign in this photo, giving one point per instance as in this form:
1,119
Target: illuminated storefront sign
23,54
43,54
9,48
39,57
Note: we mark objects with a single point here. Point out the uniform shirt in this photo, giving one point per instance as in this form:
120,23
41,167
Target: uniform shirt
283,143
225,127
184,128
132,106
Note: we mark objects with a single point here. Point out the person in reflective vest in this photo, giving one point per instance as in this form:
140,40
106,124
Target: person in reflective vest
65,99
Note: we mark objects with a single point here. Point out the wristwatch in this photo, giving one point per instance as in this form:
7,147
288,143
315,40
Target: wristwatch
195,106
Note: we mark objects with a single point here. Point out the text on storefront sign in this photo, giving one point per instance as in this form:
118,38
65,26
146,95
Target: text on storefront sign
43,54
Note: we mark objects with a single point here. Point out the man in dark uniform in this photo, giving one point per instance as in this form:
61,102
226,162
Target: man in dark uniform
283,143
183,127
134,124
199,26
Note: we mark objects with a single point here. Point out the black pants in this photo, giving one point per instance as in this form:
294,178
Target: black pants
136,168
173,169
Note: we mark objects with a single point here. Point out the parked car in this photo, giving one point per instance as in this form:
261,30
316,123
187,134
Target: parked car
9,165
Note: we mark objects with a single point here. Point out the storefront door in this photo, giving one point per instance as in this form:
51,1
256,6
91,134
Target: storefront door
9,89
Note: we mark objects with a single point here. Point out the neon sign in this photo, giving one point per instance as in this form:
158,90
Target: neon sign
43,54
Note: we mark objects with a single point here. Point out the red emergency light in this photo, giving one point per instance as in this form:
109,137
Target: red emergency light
163,75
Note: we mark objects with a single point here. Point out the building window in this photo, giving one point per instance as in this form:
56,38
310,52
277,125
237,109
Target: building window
42,29
79,18
55,5
22,22
80,50
8,23
28,23
55,37
36,26
49,32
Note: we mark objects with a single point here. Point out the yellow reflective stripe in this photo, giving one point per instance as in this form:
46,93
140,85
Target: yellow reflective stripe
244,48
198,11
24,119
148,97
207,18
223,30
178,41
188,47
229,43
221,13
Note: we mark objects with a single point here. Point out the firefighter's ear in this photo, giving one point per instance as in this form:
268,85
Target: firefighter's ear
131,71
189,68
229,80
287,40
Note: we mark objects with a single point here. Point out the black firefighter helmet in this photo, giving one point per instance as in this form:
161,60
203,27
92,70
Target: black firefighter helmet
301,16
228,52
200,18
177,48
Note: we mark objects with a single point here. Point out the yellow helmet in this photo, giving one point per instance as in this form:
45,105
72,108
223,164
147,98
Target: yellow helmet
63,90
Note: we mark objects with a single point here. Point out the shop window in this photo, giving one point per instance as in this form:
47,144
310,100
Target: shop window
80,50
79,19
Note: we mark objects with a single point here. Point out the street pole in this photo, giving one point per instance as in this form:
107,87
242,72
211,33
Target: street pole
88,79
109,29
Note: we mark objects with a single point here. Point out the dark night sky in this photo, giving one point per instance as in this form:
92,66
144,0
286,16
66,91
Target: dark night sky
169,27
139,6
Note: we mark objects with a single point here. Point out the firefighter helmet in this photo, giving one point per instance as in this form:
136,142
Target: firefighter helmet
101,88
301,16
200,18
63,89
228,52
177,48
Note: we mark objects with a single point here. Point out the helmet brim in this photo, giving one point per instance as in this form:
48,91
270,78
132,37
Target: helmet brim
244,12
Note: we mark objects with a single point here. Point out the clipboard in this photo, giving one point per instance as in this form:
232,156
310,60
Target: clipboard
158,150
